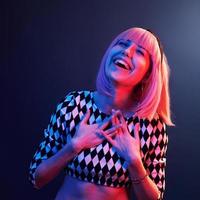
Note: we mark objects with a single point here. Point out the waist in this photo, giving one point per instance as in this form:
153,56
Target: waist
75,189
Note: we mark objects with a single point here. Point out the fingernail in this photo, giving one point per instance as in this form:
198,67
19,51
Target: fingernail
117,111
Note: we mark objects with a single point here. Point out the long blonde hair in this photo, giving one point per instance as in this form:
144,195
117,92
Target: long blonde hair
155,97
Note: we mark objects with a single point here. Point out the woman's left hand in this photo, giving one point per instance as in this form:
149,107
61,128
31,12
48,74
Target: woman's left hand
126,145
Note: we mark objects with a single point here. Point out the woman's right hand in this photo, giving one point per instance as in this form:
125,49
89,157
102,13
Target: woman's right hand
88,136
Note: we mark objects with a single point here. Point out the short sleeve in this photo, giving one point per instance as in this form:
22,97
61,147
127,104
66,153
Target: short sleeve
54,135
154,142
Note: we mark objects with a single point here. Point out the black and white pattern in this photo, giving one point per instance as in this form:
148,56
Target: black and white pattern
101,164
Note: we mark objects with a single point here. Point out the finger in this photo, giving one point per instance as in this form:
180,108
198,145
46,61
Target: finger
118,115
113,120
113,129
106,121
99,134
116,119
86,117
108,138
122,121
121,117
104,124
113,134
102,133
113,110
136,132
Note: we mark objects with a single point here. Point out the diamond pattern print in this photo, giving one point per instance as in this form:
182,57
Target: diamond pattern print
101,164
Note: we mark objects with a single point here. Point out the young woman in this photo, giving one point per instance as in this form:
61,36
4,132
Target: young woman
112,142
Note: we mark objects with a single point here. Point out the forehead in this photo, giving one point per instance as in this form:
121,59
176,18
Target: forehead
140,37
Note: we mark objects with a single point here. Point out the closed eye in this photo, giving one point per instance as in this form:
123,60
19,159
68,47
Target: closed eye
123,43
139,51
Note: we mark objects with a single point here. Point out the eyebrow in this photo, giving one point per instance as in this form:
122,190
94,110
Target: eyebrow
129,41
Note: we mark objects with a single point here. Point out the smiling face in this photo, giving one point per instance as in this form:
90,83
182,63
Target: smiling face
126,63
127,59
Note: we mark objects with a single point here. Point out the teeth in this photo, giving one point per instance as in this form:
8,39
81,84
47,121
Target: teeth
121,63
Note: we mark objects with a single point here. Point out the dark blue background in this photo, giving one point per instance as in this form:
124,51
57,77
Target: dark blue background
49,48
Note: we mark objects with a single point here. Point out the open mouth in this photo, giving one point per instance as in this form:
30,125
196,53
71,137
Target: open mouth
121,63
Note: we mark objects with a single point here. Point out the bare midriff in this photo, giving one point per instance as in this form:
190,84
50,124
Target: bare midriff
75,189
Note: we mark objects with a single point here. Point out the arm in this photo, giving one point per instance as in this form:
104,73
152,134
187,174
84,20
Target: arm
153,186
51,167
53,149
145,188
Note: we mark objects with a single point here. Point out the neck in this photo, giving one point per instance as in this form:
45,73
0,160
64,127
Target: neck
122,98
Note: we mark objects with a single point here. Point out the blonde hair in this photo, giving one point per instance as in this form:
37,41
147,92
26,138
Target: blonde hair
154,98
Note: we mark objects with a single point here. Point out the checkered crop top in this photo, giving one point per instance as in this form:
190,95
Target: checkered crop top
101,164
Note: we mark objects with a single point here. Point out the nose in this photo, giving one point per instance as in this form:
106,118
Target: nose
129,51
